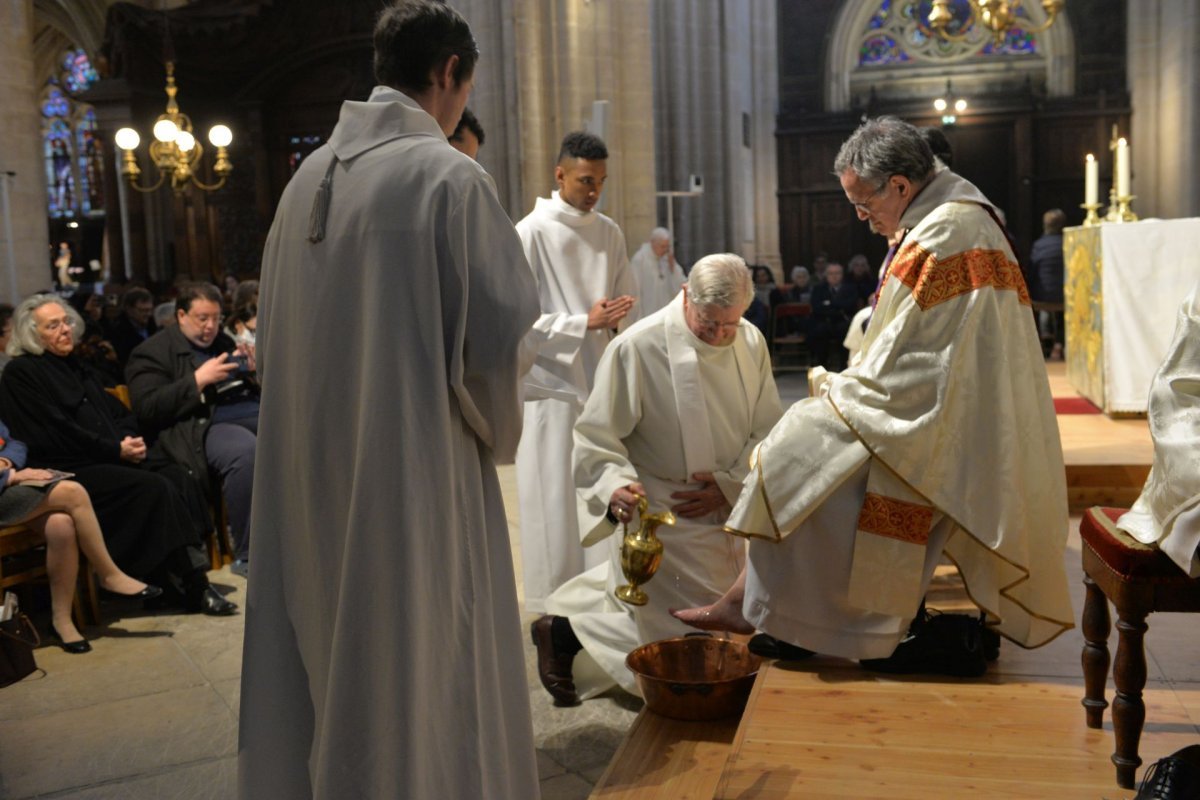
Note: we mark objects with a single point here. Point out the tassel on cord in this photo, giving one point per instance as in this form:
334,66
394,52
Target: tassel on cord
320,209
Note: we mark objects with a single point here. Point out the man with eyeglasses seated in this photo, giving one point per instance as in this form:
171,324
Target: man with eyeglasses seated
193,391
680,400
941,438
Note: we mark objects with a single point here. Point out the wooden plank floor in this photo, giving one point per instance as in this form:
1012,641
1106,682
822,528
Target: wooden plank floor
830,729
666,759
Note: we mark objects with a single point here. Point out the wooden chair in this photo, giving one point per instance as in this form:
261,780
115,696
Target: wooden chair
219,541
23,561
1138,579
785,342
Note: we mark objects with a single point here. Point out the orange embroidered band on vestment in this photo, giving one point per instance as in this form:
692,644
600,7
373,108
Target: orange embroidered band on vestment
895,519
935,280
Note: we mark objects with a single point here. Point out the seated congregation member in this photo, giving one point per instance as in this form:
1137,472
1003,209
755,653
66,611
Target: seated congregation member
93,347
135,323
61,511
680,400
1167,513
834,302
941,439
54,403
193,392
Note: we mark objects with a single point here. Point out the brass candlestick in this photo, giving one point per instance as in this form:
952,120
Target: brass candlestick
1125,210
1092,217
641,553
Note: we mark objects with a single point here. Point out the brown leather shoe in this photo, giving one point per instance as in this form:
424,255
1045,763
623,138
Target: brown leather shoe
554,668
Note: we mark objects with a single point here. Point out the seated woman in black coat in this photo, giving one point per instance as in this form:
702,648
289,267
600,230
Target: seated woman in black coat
53,403
61,511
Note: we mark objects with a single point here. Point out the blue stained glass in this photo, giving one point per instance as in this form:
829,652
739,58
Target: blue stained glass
55,104
881,50
880,16
1017,42
78,74
90,150
60,176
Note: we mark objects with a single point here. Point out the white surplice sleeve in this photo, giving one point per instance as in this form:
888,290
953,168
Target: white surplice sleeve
601,460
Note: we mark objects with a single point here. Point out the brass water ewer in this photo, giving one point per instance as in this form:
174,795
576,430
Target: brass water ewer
641,553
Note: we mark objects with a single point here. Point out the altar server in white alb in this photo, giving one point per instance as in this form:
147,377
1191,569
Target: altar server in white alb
681,399
586,293
941,439
657,273
379,656
1168,511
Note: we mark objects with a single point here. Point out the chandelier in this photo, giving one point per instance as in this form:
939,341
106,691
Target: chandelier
175,151
995,15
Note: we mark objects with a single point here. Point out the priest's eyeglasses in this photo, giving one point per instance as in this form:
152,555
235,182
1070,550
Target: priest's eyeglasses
713,327
864,206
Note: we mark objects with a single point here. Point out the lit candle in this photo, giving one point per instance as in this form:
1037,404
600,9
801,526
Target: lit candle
1122,168
1091,185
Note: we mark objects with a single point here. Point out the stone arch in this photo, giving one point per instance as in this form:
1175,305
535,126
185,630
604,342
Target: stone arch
1056,65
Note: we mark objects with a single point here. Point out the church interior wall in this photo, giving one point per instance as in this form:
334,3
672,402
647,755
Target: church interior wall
1023,139
741,92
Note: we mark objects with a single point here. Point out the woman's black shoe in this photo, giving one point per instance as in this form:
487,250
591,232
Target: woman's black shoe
76,648
213,604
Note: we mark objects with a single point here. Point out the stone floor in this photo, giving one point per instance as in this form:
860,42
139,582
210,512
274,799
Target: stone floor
152,712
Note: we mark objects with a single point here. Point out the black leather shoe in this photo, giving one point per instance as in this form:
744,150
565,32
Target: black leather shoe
938,644
213,604
1173,778
554,668
74,648
769,647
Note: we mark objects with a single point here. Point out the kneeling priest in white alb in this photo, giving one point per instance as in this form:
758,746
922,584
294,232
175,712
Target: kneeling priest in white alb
679,402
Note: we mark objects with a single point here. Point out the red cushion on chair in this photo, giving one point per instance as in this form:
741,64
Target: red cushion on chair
1128,557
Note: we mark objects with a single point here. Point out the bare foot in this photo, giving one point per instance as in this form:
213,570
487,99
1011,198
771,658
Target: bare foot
720,616
120,583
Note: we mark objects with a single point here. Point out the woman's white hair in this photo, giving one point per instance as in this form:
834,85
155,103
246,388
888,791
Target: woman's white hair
26,341
720,279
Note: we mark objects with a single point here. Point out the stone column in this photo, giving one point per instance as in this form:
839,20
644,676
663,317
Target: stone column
21,158
1164,63
569,54
716,96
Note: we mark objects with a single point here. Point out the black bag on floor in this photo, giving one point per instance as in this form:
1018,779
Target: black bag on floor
942,644
17,640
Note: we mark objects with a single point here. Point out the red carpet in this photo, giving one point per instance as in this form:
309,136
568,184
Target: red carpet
1074,405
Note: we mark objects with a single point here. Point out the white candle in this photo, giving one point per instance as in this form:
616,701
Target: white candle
1122,168
1091,185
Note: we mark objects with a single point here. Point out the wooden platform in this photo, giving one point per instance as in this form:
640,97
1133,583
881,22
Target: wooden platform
830,730
826,728
1107,460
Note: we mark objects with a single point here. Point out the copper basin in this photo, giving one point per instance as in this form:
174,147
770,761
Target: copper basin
694,678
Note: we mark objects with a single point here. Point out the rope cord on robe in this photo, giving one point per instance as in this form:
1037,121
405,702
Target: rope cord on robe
320,209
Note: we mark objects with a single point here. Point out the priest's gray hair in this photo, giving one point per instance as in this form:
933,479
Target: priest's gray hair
25,339
884,147
660,235
720,279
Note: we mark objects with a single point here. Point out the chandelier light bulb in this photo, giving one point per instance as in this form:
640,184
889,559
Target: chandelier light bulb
939,104
960,105
165,130
220,135
185,141
128,139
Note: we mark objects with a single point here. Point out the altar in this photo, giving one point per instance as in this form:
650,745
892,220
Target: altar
1124,285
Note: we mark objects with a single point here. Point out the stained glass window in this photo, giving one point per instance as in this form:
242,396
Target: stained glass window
72,148
78,75
899,32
